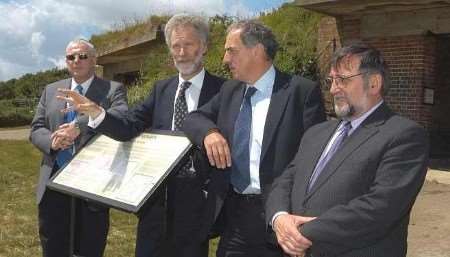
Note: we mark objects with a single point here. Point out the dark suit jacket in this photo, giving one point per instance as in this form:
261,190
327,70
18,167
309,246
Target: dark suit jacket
364,195
296,105
109,94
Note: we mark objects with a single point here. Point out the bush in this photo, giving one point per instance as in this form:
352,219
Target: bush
16,112
294,27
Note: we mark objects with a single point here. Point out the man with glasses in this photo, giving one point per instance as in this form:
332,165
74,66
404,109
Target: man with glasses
59,136
351,187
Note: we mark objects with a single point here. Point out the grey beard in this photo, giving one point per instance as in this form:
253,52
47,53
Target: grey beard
344,113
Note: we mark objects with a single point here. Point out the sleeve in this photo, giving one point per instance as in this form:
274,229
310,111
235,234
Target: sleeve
40,132
198,123
279,199
94,123
131,123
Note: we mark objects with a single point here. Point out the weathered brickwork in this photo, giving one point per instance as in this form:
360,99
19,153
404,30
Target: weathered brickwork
415,62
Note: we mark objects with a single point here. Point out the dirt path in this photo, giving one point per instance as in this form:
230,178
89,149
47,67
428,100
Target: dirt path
429,229
15,134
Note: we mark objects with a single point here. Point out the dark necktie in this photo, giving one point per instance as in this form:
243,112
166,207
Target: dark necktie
181,108
325,157
65,155
240,151
180,112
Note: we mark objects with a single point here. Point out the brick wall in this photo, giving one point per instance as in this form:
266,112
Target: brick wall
412,60
412,63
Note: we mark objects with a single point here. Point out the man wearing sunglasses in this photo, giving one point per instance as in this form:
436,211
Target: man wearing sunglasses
164,109
58,136
351,187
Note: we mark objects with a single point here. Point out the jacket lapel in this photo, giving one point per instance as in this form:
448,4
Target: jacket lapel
366,130
279,99
235,106
94,91
169,101
206,92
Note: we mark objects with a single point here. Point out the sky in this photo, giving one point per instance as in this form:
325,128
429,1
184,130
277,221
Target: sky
34,33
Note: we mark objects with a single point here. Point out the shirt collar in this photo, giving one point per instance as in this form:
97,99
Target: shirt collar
196,81
356,122
85,85
265,83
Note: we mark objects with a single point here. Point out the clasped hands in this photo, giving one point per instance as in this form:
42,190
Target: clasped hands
66,134
286,227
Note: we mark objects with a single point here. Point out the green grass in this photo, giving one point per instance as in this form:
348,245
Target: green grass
19,170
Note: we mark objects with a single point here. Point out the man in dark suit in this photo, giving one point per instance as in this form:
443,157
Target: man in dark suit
186,37
263,131
351,187
58,139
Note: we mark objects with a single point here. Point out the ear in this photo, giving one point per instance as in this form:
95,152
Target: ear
259,50
375,84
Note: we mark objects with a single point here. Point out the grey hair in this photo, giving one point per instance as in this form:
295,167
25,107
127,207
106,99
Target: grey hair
254,32
371,61
183,19
85,42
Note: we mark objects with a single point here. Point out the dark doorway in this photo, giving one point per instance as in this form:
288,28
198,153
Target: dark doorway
440,133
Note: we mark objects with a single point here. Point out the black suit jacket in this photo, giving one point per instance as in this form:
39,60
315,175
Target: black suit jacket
296,104
364,194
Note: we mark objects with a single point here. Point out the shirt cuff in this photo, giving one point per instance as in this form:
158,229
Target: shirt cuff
94,123
276,216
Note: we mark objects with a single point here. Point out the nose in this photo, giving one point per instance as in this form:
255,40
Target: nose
334,88
226,58
181,52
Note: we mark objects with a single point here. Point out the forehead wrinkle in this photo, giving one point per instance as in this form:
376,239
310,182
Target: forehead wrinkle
348,63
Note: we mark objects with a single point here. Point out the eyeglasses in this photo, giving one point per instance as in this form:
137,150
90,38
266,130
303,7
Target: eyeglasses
340,80
81,56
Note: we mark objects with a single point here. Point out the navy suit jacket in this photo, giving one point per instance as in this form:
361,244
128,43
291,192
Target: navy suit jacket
364,195
296,104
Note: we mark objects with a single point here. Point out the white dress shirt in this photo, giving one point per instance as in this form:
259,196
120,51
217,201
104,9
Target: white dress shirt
260,101
192,94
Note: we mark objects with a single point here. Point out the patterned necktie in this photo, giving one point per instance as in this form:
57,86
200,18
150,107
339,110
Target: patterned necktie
325,157
240,151
65,155
181,108
180,112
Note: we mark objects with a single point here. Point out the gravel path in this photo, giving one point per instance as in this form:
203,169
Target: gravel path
15,134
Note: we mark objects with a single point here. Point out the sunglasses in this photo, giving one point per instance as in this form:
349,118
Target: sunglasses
82,56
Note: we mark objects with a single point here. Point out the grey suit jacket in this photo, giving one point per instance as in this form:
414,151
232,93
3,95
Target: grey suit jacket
365,193
108,94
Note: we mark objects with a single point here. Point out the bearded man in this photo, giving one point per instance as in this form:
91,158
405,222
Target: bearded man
351,187
165,109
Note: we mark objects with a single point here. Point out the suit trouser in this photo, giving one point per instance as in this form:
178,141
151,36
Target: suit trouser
245,229
92,224
186,202
151,226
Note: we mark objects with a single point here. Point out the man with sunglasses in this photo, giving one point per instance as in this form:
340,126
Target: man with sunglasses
58,136
351,187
